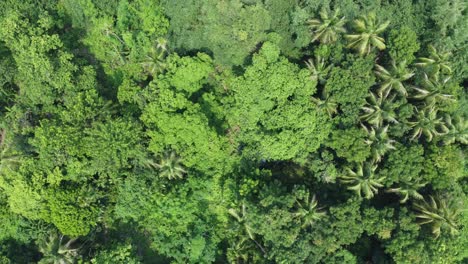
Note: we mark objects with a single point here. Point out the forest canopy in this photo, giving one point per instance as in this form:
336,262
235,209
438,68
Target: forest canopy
233,131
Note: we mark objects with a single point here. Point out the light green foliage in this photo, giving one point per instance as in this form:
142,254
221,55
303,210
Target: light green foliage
124,40
403,44
349,87
233,131
120,253
272,109
404,164
350,144
175,122
238,29
444,165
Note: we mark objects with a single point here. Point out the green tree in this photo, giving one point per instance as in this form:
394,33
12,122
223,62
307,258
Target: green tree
379,142
367,31
308,211
440,213
378,110
427,123
438,62
57,249
363,179
328,27
393,79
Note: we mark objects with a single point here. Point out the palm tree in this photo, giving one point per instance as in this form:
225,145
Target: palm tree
241,217
457,130
378,141
407,190
441,213
433,92
308,212
8,160
437,62
56,250
318,69
327,28
154,62
378,109
393,79
170,166
328,104
367,34
238,252
427,123
363,180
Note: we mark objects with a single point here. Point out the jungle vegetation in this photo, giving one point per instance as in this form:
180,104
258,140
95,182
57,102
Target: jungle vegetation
233,131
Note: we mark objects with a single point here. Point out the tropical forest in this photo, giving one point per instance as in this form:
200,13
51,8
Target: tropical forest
233,131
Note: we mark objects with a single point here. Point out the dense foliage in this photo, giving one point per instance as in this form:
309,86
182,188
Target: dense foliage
233,131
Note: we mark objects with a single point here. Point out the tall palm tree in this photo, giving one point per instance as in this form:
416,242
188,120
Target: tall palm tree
318,69
363,180
408,190
433,92
154,62
56,249
327,104
427,123
238,252
327,28
440,213
457,130
379,109
170,166
378,141
8,159
367,34
438,61
241,217
308,211
393,79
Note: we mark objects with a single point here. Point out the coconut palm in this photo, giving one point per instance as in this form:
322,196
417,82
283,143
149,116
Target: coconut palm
327,104
238,252
170,166
8,160
241,217
393,79
457,130
154,62
379,142
408,190
318,69
437,62
367,34
433,92
378,109
440,213
56,249
308,211
327,28
363,180
427,123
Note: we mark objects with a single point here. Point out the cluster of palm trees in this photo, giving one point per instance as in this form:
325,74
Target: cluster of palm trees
380,111
365,38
